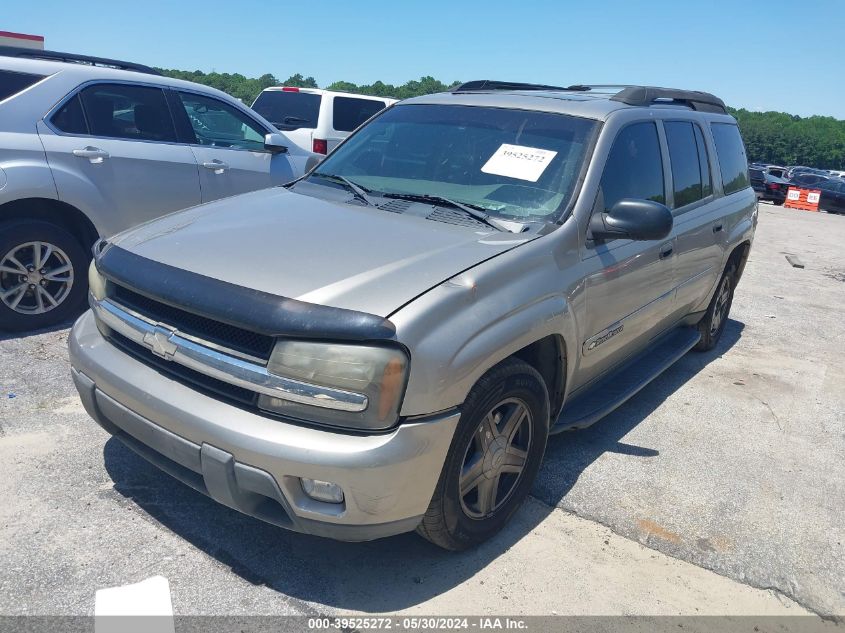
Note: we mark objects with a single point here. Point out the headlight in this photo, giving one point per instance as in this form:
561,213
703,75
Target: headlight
96,282
377,373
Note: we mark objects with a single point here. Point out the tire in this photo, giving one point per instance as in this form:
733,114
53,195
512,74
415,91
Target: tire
512,390
30,299
712,325
778,202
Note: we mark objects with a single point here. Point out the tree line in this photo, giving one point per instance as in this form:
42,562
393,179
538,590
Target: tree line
770,137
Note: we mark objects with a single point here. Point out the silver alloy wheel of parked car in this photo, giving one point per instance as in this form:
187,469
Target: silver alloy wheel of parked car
720,312
35,277
495,458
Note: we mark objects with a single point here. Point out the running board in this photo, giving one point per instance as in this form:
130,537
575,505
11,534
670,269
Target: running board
615,389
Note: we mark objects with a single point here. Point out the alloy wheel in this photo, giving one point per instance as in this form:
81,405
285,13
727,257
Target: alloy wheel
35,277
721,308
495,458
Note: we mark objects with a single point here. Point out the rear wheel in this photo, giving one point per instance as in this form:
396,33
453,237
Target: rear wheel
494,457
713,323
43,277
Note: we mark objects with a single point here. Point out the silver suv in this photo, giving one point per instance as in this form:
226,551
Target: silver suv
386,344
90,147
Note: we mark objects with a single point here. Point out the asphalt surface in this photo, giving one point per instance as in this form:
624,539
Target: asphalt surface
732,460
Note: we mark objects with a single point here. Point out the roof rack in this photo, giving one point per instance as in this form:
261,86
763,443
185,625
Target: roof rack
31,53
489,84
629,95
647,95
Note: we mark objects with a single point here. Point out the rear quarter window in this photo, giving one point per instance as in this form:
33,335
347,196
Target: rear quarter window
349,113
289,110
731,154
11,82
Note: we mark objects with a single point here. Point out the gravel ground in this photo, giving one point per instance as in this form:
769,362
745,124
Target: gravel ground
732,460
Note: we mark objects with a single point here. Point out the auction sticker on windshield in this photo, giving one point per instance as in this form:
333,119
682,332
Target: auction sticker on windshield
518,161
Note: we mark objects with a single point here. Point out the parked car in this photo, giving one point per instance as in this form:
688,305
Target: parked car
832,198
808,179
390,340
90,147
767,186
792,172
316,120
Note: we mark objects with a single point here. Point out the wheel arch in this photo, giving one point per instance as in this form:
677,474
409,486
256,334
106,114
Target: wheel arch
548,356
55,212
739,256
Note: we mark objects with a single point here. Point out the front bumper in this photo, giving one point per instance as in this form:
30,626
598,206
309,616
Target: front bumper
254,463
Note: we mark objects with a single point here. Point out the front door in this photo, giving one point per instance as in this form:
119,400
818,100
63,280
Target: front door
229,148
629,284
112,149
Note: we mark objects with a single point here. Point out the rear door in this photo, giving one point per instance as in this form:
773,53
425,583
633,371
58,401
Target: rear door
229,147
112,148
629,284
699,229
348,113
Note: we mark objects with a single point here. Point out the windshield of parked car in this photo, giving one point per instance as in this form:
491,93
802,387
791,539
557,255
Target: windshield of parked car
516,164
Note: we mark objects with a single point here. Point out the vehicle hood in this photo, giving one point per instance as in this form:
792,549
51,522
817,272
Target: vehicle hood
317,251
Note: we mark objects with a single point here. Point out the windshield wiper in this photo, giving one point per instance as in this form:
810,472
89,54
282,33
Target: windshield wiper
475,211
357,190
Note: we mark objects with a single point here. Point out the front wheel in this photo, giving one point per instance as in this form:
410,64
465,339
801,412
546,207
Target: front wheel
43,277
494,457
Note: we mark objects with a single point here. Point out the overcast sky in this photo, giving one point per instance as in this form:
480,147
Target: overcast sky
772,55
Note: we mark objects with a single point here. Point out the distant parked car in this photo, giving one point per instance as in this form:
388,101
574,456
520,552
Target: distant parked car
808,179
767,186
316,120
832,197
90,147
792,172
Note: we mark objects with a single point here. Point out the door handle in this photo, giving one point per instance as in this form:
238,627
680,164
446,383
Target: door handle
717,227
666,251
217,165
94,154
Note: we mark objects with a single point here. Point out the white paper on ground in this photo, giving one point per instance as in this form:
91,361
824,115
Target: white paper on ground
150,597
518,161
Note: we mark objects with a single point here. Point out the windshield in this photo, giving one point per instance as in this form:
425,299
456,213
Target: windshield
288,110
515,164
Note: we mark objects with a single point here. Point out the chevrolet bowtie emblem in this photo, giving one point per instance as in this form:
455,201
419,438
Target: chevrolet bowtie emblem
158,341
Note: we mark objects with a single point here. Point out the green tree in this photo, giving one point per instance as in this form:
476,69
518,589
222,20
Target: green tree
298,81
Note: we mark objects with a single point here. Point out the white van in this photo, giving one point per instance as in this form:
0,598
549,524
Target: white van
316,120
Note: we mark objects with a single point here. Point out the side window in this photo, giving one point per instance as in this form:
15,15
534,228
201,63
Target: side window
219,124
634,168
128,112
349,113
731,153
70,118
688,157
11,82
704,162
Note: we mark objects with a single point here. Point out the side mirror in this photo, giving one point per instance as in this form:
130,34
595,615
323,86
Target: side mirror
632,220
275,143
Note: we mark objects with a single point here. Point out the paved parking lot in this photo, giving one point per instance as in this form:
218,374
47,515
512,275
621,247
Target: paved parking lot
731,462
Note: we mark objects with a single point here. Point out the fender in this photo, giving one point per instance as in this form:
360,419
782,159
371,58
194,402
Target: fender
470,323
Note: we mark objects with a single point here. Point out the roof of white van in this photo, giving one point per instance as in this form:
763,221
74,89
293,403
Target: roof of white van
333,93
